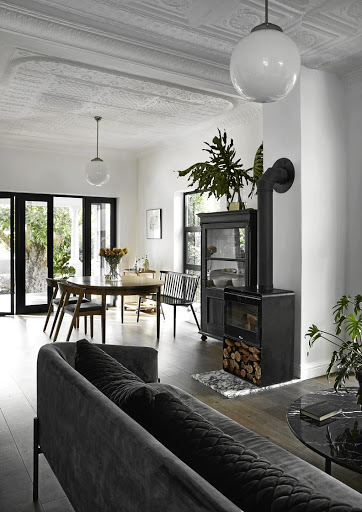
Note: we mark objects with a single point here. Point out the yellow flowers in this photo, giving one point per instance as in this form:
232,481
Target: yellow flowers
113,255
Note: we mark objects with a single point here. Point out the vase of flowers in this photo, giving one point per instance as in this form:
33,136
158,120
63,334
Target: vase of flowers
113,257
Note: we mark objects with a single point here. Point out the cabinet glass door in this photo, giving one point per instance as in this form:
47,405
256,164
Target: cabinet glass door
225,257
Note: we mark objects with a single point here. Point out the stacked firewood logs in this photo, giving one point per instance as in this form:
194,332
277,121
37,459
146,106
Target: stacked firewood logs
242,360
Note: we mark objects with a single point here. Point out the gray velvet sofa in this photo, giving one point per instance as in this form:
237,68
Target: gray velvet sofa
107,462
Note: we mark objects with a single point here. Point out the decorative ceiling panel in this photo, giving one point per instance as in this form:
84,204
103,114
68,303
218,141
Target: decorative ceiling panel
159,67
44,97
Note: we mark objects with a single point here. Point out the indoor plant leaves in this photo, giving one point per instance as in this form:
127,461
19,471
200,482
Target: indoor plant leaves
223,173
348,353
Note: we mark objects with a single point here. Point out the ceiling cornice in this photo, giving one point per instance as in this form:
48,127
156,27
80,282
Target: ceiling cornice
124,54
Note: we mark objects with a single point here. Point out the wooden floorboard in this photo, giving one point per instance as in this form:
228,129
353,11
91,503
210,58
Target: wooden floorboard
179,358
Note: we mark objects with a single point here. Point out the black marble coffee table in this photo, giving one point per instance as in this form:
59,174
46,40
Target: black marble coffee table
338,439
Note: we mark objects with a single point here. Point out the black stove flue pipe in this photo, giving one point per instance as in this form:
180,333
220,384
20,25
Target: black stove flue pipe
280,178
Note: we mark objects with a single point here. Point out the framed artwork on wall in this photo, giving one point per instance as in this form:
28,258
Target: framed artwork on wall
154,223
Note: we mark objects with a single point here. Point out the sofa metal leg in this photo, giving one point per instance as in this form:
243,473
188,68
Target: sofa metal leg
174,321
36,452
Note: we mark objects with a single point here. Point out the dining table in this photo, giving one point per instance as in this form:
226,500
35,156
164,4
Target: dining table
124,285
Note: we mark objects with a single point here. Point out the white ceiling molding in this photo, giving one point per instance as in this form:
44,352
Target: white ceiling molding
153,69
46,97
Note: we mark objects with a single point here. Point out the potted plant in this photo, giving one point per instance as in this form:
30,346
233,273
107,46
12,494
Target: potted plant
347,316
223,173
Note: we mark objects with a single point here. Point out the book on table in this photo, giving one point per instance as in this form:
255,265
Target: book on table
320,411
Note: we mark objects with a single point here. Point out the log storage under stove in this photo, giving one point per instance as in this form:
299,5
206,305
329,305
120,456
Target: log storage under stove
259,333
259,321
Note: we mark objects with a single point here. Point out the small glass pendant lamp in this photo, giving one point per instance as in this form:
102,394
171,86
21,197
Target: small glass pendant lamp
96,171
265,64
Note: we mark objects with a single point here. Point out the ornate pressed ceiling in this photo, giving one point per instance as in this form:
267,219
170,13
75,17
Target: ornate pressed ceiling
153,69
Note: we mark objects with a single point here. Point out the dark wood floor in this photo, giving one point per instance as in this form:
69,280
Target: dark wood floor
21,338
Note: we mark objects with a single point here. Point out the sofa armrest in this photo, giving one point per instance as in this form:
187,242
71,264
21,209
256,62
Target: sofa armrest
140,360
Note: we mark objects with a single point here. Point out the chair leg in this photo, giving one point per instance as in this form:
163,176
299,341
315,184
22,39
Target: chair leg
91,325
60,310
195,317
51,307
72,325
59,324
139,307
174,321
85,325
55,320
50,311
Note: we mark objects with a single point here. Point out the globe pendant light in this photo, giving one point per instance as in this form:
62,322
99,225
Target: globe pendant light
265,65
96,171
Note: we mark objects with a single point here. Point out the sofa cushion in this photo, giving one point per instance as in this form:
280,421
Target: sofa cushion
119,384
249,481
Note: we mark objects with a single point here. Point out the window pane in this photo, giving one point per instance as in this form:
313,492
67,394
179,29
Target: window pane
100,235
36,262
193,248
5,256
68,222
199,203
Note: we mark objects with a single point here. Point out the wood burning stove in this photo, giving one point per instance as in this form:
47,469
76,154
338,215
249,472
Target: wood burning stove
259,333
259,322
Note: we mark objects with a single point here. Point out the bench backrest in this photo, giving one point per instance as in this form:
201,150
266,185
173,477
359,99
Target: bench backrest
179,286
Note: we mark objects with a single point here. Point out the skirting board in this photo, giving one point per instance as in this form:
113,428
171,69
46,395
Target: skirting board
311,370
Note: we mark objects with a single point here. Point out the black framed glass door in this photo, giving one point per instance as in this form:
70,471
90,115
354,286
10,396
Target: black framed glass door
6,254
44,236
99,230
34,251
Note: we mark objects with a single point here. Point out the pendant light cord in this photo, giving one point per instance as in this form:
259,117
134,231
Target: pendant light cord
266,13
97,136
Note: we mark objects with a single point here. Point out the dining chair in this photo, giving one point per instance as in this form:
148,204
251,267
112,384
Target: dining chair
56,301
78,309
178,290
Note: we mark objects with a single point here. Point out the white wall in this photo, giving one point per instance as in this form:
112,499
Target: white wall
62,172
160,187
324,220
310,219
354,187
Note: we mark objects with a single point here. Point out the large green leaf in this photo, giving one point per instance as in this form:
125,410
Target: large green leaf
223,174
258,168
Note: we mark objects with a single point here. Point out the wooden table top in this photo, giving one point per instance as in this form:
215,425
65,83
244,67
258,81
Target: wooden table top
124,283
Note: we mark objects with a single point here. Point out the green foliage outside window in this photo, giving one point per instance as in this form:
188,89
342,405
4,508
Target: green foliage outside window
36,242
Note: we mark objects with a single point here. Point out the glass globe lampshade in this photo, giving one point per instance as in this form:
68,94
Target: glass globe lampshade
265,65
96,172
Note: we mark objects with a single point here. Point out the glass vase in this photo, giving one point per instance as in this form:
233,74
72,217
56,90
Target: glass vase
113,274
